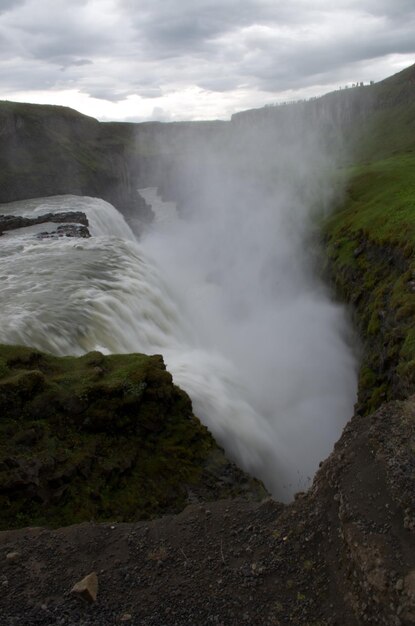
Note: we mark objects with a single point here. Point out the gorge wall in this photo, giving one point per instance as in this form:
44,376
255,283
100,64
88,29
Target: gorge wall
48,150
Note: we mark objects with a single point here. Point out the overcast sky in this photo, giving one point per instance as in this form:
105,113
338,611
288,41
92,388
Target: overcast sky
195,59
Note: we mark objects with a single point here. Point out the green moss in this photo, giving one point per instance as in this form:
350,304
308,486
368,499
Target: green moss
95,437
371,243
380,202
408,346
4,370
367,377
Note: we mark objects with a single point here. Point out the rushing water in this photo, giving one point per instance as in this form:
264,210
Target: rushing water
276,404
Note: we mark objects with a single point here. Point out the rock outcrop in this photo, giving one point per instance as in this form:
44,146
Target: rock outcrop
72,223
50,150
102,437
356,524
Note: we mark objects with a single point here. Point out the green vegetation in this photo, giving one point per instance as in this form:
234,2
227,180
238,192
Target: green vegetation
381,201
370,244
51,150
370,239
97,437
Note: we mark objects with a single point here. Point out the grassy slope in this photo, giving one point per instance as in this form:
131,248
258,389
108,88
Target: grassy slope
371,243
100,437
48,150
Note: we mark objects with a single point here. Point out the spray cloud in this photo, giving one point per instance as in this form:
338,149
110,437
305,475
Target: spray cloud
270,365
225,289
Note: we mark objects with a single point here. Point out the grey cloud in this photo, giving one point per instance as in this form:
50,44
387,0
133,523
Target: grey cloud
80,62
69,42
398,9
219,83
10,5
106,94
150,92
50,30
166,26
274,63
158,46
67,62
29,76
288,69
198,31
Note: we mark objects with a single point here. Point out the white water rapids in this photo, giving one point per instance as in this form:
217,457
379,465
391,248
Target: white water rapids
275,388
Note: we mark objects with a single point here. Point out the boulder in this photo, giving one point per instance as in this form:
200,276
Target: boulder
87,588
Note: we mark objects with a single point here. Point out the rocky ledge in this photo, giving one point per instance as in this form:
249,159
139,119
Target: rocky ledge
342,554
72,224
51,150
102,437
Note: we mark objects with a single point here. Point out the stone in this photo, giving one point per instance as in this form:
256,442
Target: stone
126,617
12,557
410,584
87,588
358,251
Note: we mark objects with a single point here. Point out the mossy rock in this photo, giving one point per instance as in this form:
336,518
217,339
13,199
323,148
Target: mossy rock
101,437
370,243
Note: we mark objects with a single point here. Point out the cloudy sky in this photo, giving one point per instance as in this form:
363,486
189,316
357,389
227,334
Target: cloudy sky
195,59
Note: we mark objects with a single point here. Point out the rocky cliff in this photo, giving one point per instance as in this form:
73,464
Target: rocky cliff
370,244
102,437
50,150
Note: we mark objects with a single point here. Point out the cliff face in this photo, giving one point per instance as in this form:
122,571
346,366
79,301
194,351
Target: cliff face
367,122
47,150
51,150
102,437
370,244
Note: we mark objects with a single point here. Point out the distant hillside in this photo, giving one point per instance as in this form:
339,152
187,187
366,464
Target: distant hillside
374,119
370,240
48,150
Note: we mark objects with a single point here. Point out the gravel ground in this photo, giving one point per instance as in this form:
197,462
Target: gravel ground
341,554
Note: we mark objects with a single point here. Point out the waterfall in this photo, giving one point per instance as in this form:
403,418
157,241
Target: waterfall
274,383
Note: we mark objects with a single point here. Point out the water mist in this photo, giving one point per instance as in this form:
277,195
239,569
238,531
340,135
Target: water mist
223,287
270,367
